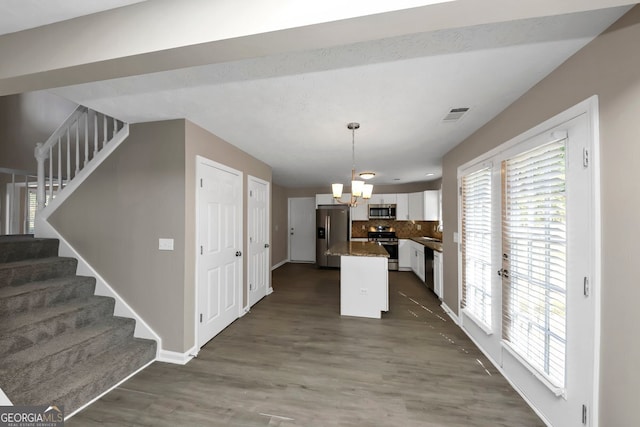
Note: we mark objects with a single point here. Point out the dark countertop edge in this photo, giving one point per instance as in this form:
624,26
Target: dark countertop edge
431,244
361,249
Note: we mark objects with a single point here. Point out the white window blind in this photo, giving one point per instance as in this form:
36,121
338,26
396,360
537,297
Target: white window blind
476,246
534,244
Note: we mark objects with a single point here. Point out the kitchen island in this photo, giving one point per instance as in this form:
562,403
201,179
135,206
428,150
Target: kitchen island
364,278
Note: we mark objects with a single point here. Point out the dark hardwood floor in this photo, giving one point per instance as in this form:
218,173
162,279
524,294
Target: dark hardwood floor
294,361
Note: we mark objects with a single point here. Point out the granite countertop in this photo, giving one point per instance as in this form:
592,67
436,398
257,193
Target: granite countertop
365,249
436,245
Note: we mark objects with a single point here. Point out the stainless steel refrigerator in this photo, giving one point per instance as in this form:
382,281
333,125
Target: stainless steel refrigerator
332,226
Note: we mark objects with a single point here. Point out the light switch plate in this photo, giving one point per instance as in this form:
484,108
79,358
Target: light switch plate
165,244
455,237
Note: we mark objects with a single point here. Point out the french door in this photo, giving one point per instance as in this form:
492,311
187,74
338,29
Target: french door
528,264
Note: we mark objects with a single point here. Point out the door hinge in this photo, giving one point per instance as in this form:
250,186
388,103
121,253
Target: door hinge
200,317
584,414
587,289
200,182
201,250
250,193
585,157
460,191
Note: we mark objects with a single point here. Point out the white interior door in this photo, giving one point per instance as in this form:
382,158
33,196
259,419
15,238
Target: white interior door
258,241
302,226
219,239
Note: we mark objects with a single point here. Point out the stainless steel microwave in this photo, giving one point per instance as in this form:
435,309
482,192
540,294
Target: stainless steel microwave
382,211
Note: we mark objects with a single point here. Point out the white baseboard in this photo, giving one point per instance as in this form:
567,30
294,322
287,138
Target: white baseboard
106,391
280,264
451,314
175,357
269,290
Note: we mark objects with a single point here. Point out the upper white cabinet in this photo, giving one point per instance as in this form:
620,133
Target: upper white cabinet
432,205
424,205
383,199
327,199
360,212
402,206
416,206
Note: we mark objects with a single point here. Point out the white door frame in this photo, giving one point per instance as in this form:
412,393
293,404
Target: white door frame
267,184
199,162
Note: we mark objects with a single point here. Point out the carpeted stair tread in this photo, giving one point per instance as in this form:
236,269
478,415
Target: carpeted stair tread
19,272
22,247
87,380
44,293
27,329
30,366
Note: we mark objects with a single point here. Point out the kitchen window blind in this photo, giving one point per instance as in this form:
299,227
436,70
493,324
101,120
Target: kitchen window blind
534,234
476,246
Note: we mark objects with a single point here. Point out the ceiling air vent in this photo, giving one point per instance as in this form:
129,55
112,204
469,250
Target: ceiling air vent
455,114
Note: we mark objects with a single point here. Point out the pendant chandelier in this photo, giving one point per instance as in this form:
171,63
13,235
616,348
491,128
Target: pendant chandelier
358,188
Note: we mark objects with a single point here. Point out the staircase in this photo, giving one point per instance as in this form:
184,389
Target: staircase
59,343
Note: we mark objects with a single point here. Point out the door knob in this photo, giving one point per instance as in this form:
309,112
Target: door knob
266,245
238,253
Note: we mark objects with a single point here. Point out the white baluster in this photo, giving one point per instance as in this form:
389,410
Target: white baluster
95,133
86,138
51,172
77,148
105,125
40,192
60,164
68,155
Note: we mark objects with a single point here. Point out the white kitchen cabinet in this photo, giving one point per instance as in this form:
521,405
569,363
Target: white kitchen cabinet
402,207
383,199
437,274
417,259
431,205
404,254
360,212
424,205
324,199
327,199
416,206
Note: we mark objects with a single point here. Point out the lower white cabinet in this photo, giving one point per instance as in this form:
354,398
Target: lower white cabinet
404,254
417,259
437,274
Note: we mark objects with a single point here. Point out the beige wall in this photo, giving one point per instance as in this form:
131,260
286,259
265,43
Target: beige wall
279,225
116,216
146,190
25,120
610,68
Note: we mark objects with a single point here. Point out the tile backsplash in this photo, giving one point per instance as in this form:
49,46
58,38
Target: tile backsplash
403,229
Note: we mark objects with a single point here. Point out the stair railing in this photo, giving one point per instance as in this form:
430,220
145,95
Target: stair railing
71,148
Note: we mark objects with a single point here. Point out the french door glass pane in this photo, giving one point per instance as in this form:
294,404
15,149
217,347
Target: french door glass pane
534,246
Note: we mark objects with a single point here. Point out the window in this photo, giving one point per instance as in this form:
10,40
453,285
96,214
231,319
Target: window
476,246
534,236
545,261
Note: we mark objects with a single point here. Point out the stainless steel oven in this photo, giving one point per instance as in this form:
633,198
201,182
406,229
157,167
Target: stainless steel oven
389,241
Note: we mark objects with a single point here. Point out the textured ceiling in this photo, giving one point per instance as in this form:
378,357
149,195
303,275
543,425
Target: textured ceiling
291,109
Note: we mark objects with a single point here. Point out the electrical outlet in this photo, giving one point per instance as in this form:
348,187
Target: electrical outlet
363,227
165,244
364,291
419,226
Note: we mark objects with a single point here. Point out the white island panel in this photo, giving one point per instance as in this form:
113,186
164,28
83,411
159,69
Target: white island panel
364,286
